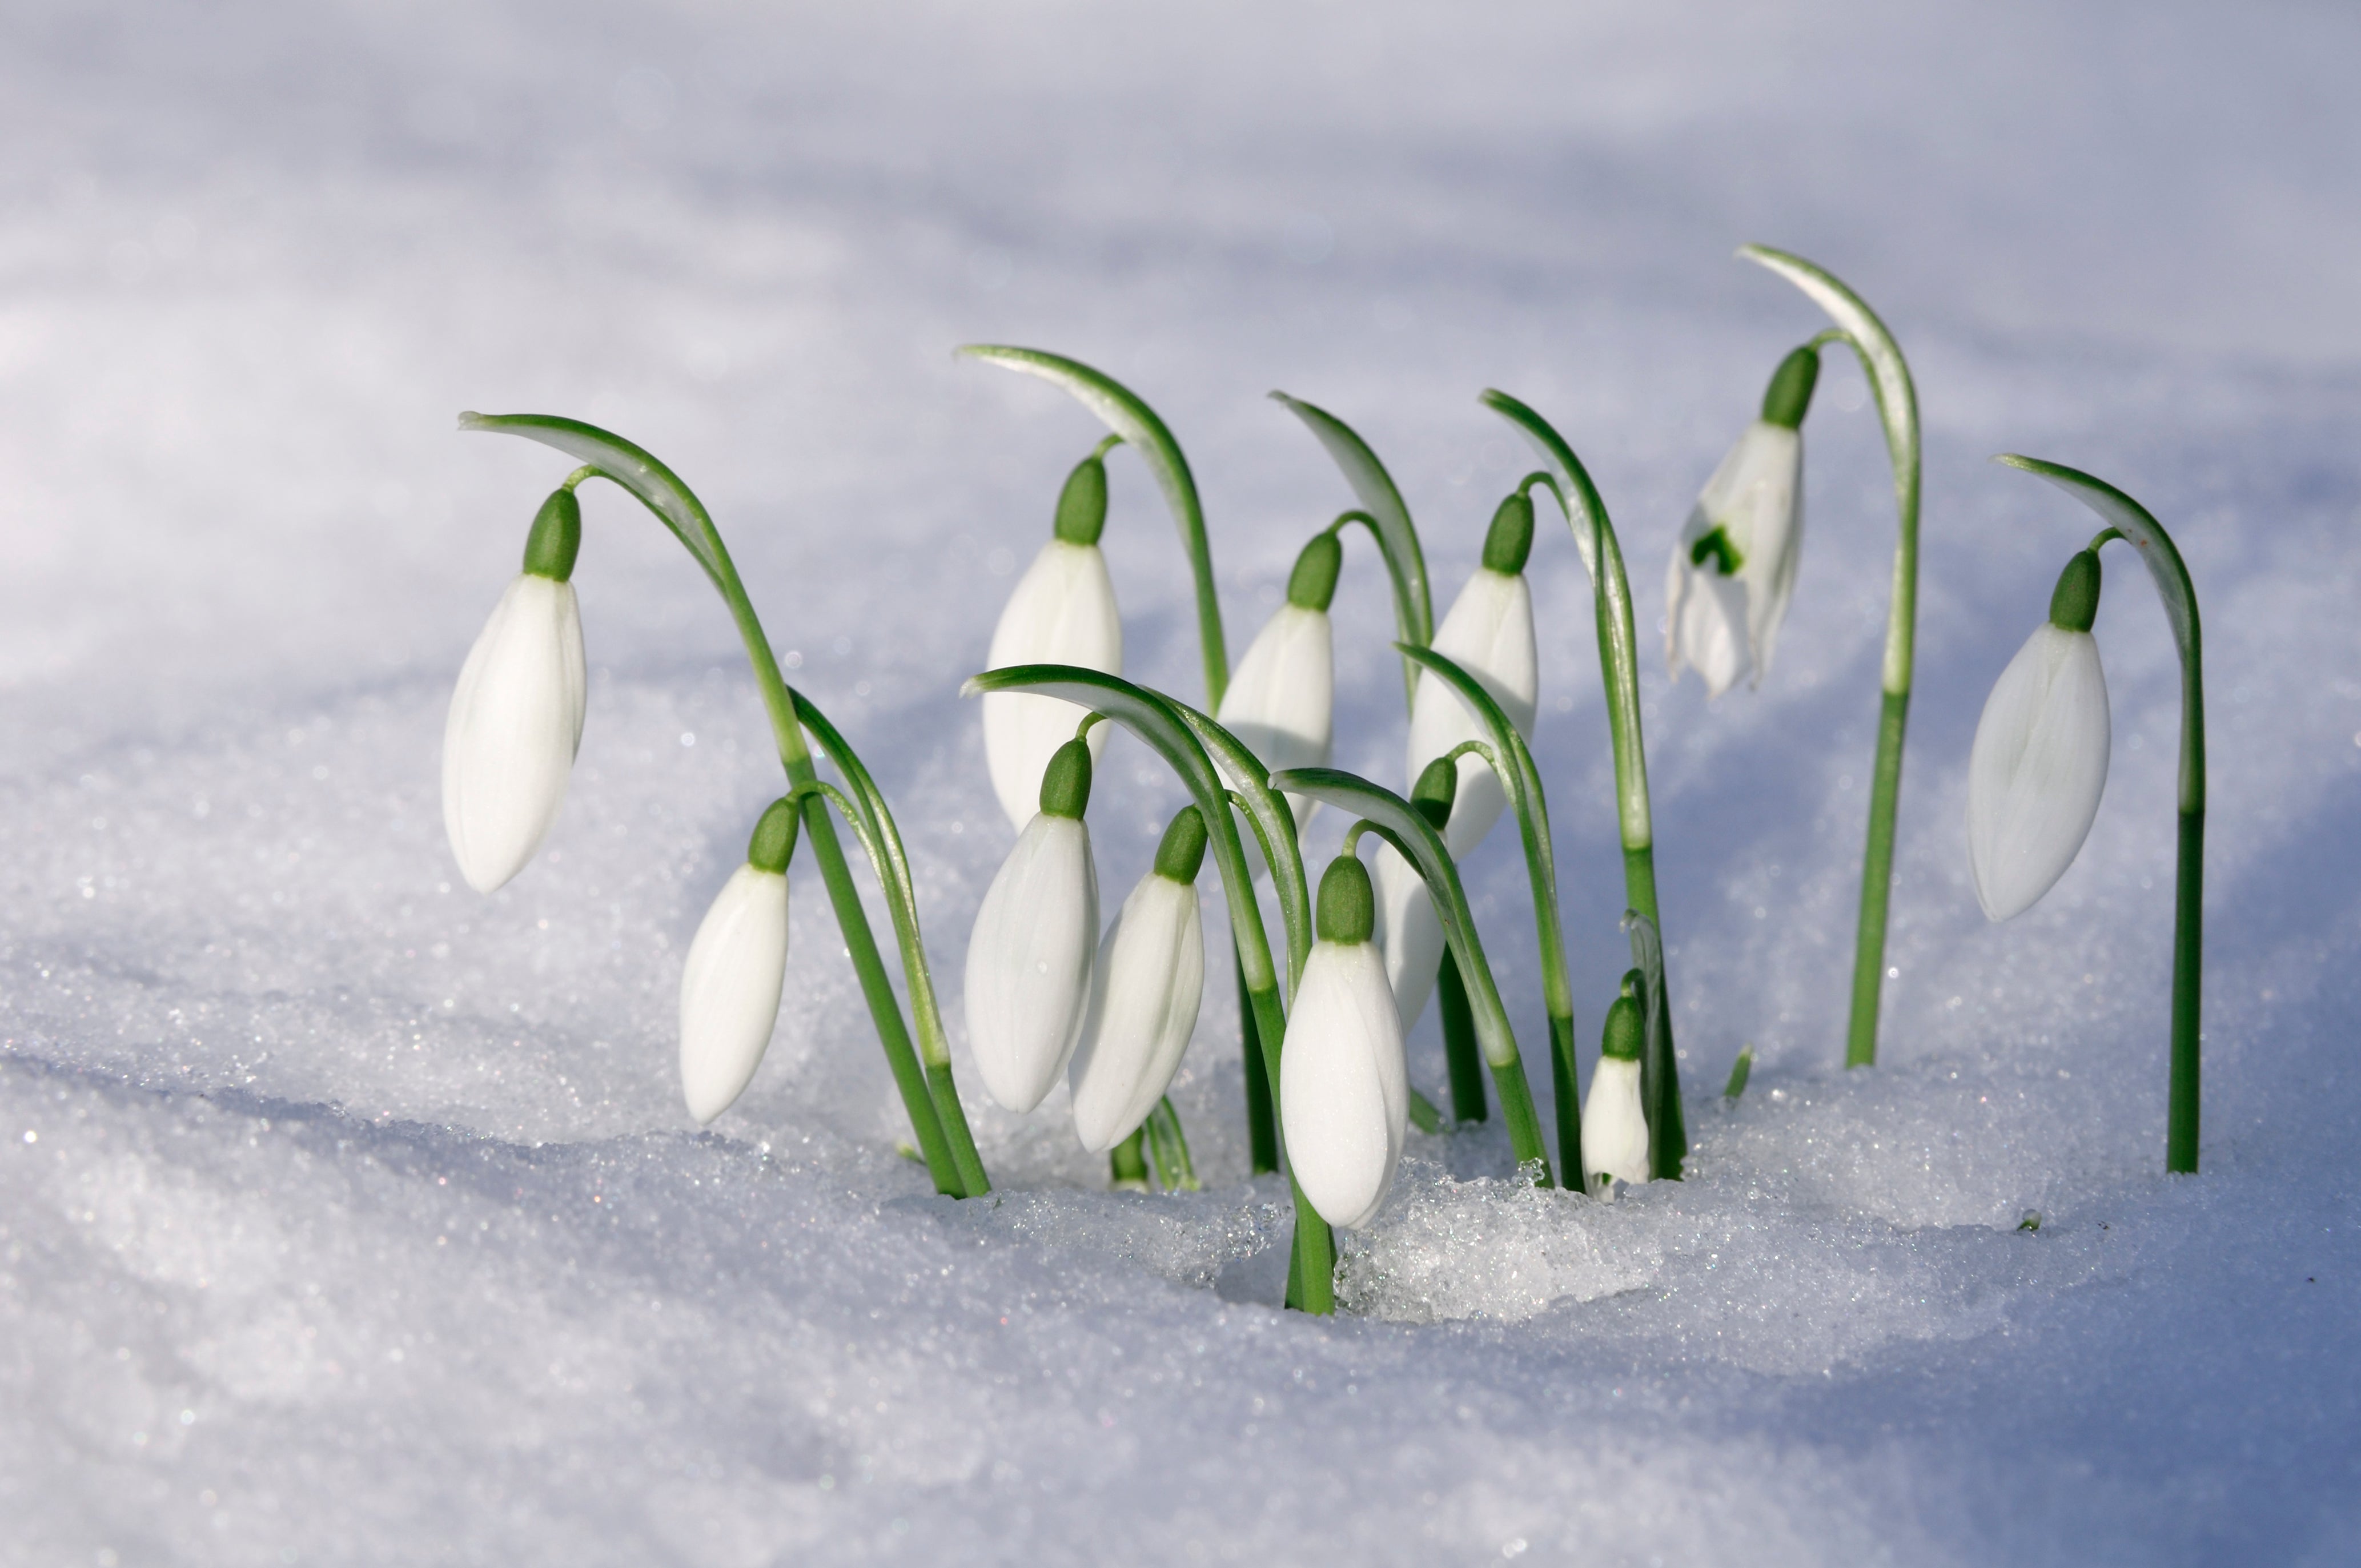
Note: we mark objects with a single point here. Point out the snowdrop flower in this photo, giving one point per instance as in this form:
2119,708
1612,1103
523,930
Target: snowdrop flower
1414,930
1282,701
2039,763
1614,1127
1344,1089
1029,960
1062,613
1734,569
1488,632
1149,979
516,717
729,987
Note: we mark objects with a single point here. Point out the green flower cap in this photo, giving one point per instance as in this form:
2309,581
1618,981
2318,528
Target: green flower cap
1082,504
1313,585
556,537
1510,540
774,843
1348,910
1182,852
1066,782
1785,401
2075,604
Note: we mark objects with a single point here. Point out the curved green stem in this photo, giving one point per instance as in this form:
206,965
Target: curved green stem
883,840
1897,407
1414,839
1511,760
1179,736
1388,517
1618,670
676,506
2130,521
1660,1078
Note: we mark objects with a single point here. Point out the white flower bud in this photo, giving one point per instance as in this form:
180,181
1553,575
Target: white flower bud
1029,960
1734,569
730,990
1063,612
1614,1127
2036,769
1490,633
1281,703
1412,931
1344,1086
515,724
1145,994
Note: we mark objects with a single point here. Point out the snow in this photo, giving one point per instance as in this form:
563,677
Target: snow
349,1217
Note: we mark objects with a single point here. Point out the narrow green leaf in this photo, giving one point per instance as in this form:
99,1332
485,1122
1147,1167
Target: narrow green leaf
1660,1073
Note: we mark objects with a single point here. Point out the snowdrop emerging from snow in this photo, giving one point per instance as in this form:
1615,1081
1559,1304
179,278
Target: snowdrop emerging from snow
1344,1090
729,987
1614,1126
1063,612
2039,763
1029,960
1145,994
516,716
1490,633
1282,701
1733,570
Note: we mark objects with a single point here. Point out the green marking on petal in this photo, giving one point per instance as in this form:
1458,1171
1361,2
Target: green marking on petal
1716,548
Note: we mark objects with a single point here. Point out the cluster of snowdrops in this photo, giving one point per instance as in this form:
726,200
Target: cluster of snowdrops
1386,930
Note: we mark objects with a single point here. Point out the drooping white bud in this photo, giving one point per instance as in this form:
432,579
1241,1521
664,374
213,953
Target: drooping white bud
730,990
1614,1121
1146,990
515,724
1063,612
1344,1089
1490,633
2036,769
1028,959
1734,571
1281,703
1414,942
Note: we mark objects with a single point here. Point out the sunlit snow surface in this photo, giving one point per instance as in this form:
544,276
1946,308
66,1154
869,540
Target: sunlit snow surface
349,1217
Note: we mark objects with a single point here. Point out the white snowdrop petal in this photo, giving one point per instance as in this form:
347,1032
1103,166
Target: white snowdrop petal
514,726
1410,931
1724,626
1614,1126
1062,612
730,990
2036,769
1146,990
1281,702
1344,1089
1028,962
1490,633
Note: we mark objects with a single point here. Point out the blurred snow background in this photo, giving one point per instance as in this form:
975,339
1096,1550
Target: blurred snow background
347,1217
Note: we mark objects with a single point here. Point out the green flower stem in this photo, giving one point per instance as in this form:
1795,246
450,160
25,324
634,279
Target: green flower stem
1660,1078
1189,743
676,507
1169,1144
1513,761
1897,407
873,822
1388,519
1262,1112
2130,521
1395,820
1462,1059
1618,668
1127,1163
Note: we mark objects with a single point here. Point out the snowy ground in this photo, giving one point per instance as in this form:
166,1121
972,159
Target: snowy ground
348,1218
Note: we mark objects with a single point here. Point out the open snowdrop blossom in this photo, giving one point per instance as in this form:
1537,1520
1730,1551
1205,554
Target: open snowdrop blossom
1145,991
1343,1091
1028,959
1063,612
516,716
1614,1123
737,965
1281,703
2039,763
1733,570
